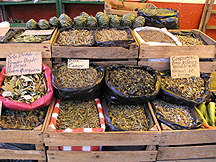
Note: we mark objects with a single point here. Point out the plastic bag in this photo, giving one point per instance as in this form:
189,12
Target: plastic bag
160,17
197,121
151,43
43,101
116,97
111,127
174,98
81,93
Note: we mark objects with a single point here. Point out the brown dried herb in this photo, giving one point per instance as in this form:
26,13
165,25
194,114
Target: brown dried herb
175,113
78,114
189,40
75,78
75,38
22,119
190,88
128,117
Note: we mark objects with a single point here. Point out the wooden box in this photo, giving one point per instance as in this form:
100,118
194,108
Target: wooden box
185,145
44,48
34,136
204,52
100,55
55,139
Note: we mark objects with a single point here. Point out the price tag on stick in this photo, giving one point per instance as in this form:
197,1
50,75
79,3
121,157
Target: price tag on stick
184,66
78,64
24,63
0,108
38,32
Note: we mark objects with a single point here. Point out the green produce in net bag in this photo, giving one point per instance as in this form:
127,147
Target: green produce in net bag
31,24
43,24
103,21
139,22
84,14
80,21
99,14
128,19
91,21
54,21
115,21
65,20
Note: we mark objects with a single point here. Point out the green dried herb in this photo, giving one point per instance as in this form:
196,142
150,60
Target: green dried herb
191,88
24,88
128,117
132,82
75,78
27,38
176,113
22,119
78,114
189,40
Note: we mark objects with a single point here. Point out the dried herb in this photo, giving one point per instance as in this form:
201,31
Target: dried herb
22,119
189,40
75,78
175,113
24,88
128,117
132,82
75,38
111,35
155,36
191,88
18,37
78,114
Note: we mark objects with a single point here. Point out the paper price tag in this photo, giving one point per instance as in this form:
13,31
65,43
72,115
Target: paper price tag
184,66
24,63
78,64
38,32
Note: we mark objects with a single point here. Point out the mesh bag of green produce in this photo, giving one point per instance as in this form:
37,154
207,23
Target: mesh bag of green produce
160,17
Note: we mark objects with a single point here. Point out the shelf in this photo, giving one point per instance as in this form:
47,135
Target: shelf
26,2
84,2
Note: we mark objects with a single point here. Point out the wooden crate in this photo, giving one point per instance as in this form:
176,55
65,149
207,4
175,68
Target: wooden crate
120,8
101,55
180,145
44,48
155,52
128,138
34,136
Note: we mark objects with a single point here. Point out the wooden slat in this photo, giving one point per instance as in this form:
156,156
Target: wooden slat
213,12
165,52
94,52
25,47
21,136
204,37
203,15
211,27
205,67
101,139
182,137
107,63
22,154
208,14
187,152
102,156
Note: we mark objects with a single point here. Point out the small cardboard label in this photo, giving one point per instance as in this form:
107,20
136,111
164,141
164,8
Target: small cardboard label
24,63
184,66
78,64
3,31
0,108
38,32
